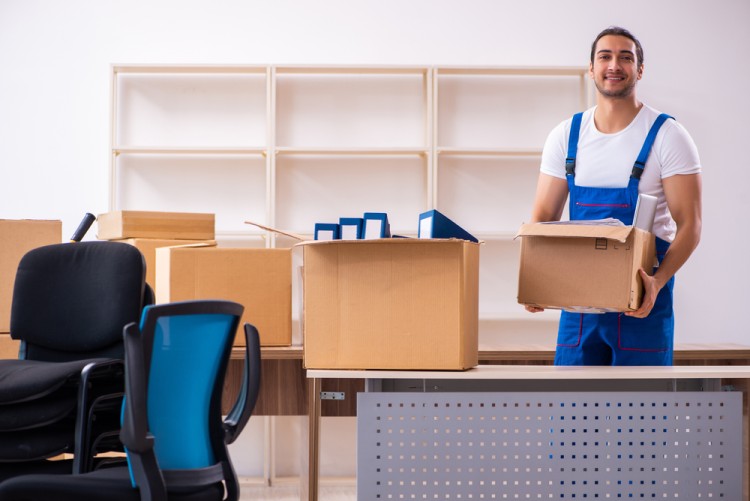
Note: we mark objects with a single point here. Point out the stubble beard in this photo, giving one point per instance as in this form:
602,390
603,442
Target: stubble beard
626,91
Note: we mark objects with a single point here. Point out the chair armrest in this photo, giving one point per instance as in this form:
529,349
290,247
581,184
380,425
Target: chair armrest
243,407
134,433
98,379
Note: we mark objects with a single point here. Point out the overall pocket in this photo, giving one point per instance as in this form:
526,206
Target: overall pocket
653,333
569,331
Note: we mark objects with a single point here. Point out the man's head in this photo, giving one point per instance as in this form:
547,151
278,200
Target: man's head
622,32
616,63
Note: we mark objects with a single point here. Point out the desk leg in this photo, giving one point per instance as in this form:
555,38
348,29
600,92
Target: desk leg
309,474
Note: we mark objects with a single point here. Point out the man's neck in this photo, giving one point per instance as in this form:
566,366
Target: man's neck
613,115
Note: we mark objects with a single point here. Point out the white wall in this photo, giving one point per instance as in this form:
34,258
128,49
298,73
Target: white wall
54,89
54,93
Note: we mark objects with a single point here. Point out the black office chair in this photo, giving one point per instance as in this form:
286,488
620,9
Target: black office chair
70,303
173,431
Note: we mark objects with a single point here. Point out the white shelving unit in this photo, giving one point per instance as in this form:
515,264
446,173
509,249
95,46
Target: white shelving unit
288,146
489,130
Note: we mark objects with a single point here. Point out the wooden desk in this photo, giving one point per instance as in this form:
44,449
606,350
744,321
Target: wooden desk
284,385
684,354
286,390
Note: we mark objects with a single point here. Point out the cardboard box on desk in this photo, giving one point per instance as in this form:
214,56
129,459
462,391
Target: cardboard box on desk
17,237
119,225
583,267
390,304
258,279
148,247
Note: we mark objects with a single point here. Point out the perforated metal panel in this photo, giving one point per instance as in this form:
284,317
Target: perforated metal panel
589,445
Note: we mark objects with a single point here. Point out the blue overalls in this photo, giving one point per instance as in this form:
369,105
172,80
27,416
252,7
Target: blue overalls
614,338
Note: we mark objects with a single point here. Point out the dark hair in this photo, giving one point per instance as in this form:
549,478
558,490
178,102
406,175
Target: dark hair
616,30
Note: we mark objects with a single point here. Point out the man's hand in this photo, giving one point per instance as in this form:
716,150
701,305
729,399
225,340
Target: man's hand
533,309
650,291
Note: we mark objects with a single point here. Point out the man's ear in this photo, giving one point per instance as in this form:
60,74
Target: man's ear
640,72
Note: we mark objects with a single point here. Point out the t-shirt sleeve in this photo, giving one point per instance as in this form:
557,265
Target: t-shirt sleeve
555,151
678,153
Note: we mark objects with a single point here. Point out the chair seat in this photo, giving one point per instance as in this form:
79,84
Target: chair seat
44,466
24,380
34,444
106,484
37,413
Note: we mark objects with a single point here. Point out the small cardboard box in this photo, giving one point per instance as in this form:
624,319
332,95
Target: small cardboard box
8,347
17,237
148,247
390,304
583,267
258,279
123,224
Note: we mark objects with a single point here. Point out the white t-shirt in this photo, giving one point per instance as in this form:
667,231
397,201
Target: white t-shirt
606,160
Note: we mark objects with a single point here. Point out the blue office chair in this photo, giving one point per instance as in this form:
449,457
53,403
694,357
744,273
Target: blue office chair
172,427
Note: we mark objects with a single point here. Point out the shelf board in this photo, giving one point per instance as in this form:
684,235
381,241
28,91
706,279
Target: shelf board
489,152
182,150
350,70
554,71
302,69
506,235
241,233
522,315
189,68
384,151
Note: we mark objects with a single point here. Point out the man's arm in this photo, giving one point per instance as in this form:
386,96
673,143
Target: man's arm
549,202
683,194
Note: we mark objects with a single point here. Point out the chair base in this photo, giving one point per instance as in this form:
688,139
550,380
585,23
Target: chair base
105,484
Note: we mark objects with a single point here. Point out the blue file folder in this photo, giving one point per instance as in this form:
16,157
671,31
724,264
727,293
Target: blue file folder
376,225
433,224
351,228
327,231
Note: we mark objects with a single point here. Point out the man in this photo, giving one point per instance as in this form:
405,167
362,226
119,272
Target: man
591,158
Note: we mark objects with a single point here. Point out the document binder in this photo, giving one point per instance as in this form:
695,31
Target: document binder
327,231
351,228
645,211
433,224
376,225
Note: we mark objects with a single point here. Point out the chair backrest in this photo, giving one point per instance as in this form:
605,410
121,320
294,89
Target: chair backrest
71,301
175,366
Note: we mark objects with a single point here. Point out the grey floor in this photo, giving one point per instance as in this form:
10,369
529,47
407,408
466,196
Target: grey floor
290,492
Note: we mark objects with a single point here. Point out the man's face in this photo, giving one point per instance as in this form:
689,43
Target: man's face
615,68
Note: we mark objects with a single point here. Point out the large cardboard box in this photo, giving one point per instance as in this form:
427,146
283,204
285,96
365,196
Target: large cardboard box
119,225
148,247
390,304
17,237
258,279
583,267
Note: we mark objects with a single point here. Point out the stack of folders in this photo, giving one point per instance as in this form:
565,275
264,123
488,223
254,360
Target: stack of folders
371,225
434,224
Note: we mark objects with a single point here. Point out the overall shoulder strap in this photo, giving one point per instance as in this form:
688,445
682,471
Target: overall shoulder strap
570,159
640,162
